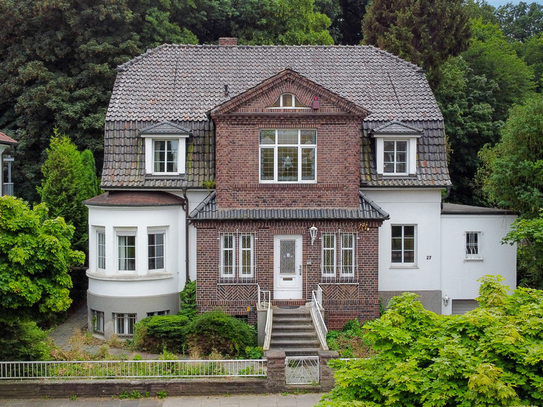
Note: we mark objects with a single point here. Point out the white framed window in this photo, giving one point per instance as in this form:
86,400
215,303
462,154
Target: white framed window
288,101
100,248
395,157
403,244
126,248
124,323
328,255
156,249
288,155
97,321
165,154
158,313
473,245
347,254
237,255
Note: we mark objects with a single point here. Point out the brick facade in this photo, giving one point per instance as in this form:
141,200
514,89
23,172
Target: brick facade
342,301
338,127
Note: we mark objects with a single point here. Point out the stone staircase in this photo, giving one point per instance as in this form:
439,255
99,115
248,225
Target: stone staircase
293,332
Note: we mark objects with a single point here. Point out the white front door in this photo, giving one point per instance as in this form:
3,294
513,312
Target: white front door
288,273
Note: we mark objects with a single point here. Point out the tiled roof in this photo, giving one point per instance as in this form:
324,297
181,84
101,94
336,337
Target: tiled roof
180,84
183,82
208,210
432,168
396,127
6,140
114,198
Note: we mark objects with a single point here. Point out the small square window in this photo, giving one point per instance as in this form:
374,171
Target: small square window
124,324
473,246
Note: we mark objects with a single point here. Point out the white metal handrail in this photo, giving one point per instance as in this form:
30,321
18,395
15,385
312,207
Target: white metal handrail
120,369
318,319
264,300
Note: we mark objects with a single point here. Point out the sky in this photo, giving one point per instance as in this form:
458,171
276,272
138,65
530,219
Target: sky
497,3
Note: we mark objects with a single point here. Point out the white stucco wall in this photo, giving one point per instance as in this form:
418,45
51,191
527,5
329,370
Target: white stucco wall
419,207
459,275
140,282
2,148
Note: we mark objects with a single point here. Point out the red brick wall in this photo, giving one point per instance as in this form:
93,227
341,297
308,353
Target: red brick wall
337,163
341,301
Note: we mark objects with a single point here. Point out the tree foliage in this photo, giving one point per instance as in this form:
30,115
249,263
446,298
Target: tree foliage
491,356
69,179
35,259
467,101
520,21
491,55
422,31
512,174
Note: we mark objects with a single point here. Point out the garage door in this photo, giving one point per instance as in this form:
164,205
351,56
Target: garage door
462,306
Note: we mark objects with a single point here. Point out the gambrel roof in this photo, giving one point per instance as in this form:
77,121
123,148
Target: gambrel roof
182,84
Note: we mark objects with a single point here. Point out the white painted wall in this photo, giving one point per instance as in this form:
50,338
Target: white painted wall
140,282
420,207
2,148
459,276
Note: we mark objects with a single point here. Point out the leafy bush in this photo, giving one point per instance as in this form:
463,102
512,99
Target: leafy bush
491,356
220,332
22,341
154,334
187,300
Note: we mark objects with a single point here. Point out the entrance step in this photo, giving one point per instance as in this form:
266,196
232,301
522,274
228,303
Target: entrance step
293,331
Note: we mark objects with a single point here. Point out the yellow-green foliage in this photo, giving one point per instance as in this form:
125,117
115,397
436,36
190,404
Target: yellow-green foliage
491,356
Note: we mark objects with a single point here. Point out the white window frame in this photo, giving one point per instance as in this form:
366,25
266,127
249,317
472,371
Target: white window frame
328,252
403,249
100,248
473,249
344,272
300,149
281,103
237,251
97,321
156,232
411,164
150,153
124,323
126,233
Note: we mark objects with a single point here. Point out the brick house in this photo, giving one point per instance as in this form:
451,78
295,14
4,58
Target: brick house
289,169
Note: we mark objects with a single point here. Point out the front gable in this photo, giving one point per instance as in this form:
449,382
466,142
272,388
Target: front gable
311,99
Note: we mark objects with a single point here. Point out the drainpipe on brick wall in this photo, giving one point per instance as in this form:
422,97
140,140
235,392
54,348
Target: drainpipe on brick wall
185,207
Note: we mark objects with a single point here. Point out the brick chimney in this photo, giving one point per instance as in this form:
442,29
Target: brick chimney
228,41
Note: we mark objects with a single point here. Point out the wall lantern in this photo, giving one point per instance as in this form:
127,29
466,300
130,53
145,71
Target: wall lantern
313,233
446,300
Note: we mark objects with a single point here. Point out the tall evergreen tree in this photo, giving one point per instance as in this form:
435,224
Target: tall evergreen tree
425,32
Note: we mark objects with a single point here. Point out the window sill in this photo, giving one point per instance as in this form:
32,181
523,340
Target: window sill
404,266
476,259
96,275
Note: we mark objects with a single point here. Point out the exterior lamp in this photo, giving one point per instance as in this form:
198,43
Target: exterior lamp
313,233
446,300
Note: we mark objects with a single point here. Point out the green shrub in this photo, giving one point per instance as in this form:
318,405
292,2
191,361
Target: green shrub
22,341
349,342
153,334
219,332
187,300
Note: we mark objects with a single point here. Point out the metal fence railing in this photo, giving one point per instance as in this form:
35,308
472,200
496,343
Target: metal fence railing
120,369
302,369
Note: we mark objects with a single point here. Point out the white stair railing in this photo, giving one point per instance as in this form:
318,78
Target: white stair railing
264,301
318,319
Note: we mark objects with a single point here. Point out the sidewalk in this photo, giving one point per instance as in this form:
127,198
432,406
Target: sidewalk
269,400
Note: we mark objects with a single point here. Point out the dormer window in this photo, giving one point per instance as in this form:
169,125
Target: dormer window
288,101
396,149
165,149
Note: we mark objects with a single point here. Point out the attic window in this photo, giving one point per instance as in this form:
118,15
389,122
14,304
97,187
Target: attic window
396,149
288,101
165,149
